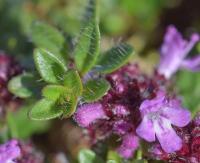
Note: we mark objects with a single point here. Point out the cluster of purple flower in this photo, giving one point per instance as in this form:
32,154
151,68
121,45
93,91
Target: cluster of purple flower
8,68
19,152
138,106
118,111
13,151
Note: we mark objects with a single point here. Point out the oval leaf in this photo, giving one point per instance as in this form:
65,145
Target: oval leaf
49,66
44,110
114,58
72,82
21,85
87,48
95,89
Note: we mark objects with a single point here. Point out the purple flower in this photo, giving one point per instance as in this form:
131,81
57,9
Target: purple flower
174,51
122,127
129,145
9,151
8,68
29,154
88,113
158,115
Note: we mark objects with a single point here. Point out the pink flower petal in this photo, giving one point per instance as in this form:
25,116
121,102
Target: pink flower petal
192,64
88,113
177,116
174,51
169,140
9,151
129,144
153,105
146,130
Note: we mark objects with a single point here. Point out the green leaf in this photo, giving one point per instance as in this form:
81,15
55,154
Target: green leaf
95,89
63,97
49,66
47,37
113,157
54,92
87,48
88,156
73,83
45,109
21,126
69,105
114,58
22,85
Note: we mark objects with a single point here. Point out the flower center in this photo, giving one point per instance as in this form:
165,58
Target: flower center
154,115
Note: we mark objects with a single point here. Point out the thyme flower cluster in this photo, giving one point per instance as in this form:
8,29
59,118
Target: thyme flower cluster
139,107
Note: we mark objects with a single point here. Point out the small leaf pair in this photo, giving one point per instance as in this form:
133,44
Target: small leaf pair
58,100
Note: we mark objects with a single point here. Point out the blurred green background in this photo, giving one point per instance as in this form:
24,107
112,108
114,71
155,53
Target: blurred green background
142,23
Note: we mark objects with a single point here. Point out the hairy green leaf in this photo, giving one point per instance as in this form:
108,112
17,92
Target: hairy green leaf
87,48
95,89
73,83
69,105
49,66
45,109
114,58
